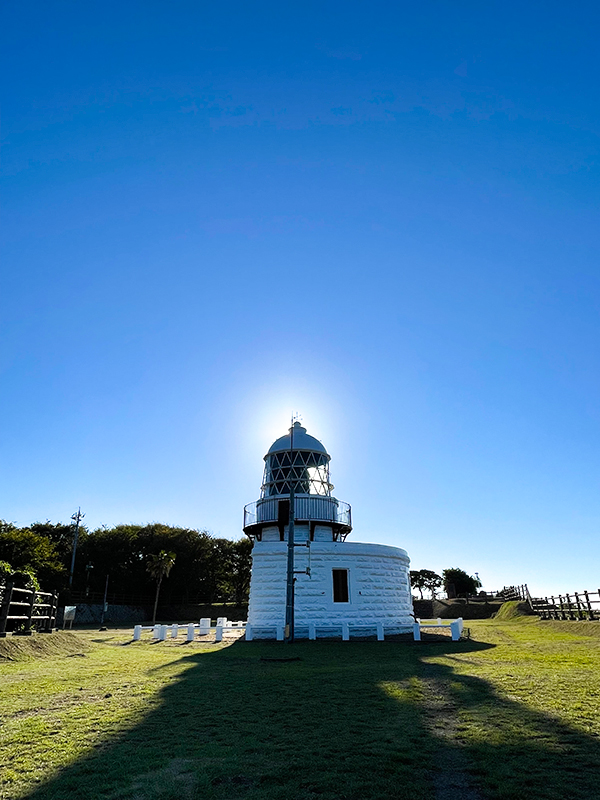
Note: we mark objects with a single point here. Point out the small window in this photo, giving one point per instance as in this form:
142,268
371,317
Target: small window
340,586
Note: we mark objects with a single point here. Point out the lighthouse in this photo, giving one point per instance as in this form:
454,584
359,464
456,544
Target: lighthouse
340,587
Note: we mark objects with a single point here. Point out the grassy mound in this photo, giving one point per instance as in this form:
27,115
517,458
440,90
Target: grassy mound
513,609
41,645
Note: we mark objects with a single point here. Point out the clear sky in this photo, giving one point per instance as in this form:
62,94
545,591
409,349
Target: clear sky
380,215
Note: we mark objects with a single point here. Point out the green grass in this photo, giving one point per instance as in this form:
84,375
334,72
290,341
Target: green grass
514,712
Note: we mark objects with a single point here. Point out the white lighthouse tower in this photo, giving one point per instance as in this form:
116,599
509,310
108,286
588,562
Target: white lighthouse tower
340,587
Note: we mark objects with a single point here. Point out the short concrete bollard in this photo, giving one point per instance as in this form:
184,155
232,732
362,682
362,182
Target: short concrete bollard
417,632
249,633
439,620
345,632
312,630
137,633
162,635
191,632
219,634
280,633
174,631
380,632
455,630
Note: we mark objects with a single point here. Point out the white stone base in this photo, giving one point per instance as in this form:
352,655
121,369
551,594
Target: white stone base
379,589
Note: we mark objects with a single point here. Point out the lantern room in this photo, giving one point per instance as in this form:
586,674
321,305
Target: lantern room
300,460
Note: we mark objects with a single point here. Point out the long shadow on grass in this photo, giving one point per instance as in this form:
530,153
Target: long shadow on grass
362,721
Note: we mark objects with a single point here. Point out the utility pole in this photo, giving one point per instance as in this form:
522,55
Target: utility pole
289,603
104,604
76,519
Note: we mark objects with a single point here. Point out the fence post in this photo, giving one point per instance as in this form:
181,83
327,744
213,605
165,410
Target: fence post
51,613
380,632
345,632
417,632
137,633
312,630
190,632
28,630
174,630
580,613
4,608
249,635
589,605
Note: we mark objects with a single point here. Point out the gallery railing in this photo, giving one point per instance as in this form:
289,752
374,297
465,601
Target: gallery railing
307,508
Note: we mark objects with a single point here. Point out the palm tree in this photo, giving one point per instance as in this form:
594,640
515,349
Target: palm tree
159,567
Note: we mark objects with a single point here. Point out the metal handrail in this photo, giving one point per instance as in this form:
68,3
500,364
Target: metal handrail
310,508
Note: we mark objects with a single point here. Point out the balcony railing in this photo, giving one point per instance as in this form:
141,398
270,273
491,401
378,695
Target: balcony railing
307,508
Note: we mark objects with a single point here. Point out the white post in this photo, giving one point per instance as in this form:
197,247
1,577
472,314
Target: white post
190,632
345,632
204,626
280,633
219,634
312,630
137,633
417,632
460,624
439,620
248,633
454,628
380,633
156,631
174,630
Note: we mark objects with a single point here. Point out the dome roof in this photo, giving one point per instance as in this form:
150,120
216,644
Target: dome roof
302,441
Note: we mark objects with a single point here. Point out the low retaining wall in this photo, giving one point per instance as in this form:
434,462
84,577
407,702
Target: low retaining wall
91,613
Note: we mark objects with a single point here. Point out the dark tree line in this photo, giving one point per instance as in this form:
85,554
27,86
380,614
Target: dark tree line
206,569
456,582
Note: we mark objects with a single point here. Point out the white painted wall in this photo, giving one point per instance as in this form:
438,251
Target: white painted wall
378,581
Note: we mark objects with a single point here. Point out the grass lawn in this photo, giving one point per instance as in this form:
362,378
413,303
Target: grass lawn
513,713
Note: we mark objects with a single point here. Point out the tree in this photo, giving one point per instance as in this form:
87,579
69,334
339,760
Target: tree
28,551
457,583
417,580
234,582
159,567
425,579
431,581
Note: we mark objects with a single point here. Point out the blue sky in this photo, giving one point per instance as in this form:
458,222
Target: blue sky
380,215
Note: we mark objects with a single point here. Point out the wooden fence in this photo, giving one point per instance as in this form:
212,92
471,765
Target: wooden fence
578,605
26,610
516,593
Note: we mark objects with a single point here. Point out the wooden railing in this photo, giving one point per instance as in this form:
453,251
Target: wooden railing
26,610
516,593
575,606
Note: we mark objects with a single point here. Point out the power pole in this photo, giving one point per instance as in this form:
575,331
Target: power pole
76,519
104,604
289,603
